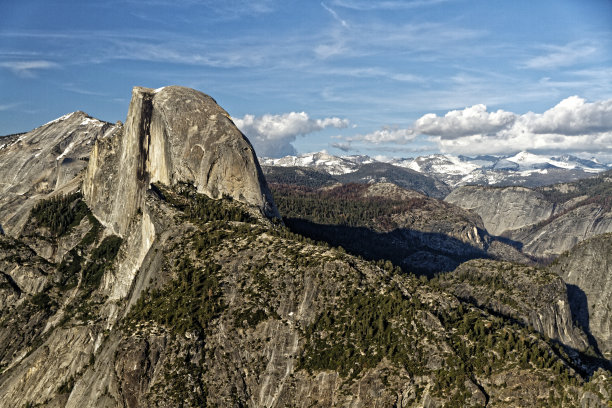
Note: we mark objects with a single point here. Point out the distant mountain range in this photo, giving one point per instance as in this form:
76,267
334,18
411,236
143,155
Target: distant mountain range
524,168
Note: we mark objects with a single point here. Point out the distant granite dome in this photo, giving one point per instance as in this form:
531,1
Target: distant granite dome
45,161
172,134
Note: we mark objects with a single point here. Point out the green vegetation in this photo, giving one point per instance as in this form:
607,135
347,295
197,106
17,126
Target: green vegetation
594,188
343,205
199,207
43,301
360,333
185,304
67,386
298,176
60,213
100,259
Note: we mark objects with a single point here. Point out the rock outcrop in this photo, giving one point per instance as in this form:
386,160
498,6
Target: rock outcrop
172,135
561,233
543,222
503,209
587,269
536,297
43,162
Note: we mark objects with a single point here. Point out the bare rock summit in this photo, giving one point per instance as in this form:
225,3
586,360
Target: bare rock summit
172,134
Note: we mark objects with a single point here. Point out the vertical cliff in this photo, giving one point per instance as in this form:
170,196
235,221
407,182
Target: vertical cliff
536,297
172,135
587,269
503,209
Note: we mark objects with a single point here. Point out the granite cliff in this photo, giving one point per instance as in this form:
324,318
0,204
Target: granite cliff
172,135
43,162
546,221
161,282
587,270
502,209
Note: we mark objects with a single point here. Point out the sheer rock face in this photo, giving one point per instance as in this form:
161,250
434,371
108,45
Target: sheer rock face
565,231
543,228
503,209
587,269
536,297
171,135
43,162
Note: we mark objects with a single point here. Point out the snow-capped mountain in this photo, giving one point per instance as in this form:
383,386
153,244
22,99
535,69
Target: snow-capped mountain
334,165
522,168
529,161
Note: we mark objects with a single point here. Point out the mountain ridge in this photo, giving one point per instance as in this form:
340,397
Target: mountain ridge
138,283
523,168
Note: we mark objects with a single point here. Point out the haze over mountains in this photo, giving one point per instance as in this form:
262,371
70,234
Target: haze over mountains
146,264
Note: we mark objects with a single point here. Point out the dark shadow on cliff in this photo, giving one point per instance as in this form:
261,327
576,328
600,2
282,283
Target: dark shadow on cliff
422,253
505,240
580,312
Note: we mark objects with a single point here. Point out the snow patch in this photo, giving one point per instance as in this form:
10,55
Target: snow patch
91,121
65,152
66,116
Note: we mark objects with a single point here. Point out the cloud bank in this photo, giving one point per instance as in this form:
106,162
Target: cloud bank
272,135
573,125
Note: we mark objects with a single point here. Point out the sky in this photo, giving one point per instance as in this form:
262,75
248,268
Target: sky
384,78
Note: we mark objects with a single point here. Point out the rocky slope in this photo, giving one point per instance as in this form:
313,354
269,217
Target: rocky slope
545,221
536,297
385,221
587,269
44,161
169,295
241,313
503,209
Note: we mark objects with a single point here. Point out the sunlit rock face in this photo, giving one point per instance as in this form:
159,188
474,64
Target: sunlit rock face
172,135
44,162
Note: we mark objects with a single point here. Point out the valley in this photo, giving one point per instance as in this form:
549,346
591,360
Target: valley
156,263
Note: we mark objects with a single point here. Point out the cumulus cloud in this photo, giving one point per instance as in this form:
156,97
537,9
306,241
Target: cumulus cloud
469,121
573,125
572,116
387,135
272,135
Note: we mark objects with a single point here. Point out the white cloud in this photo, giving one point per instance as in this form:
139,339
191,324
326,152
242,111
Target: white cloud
335,15
469,121
272,135
562,56
386,135
369,5
26,68
573,125
344,146
9,106
572,116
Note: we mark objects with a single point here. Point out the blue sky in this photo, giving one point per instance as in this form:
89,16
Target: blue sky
390,77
